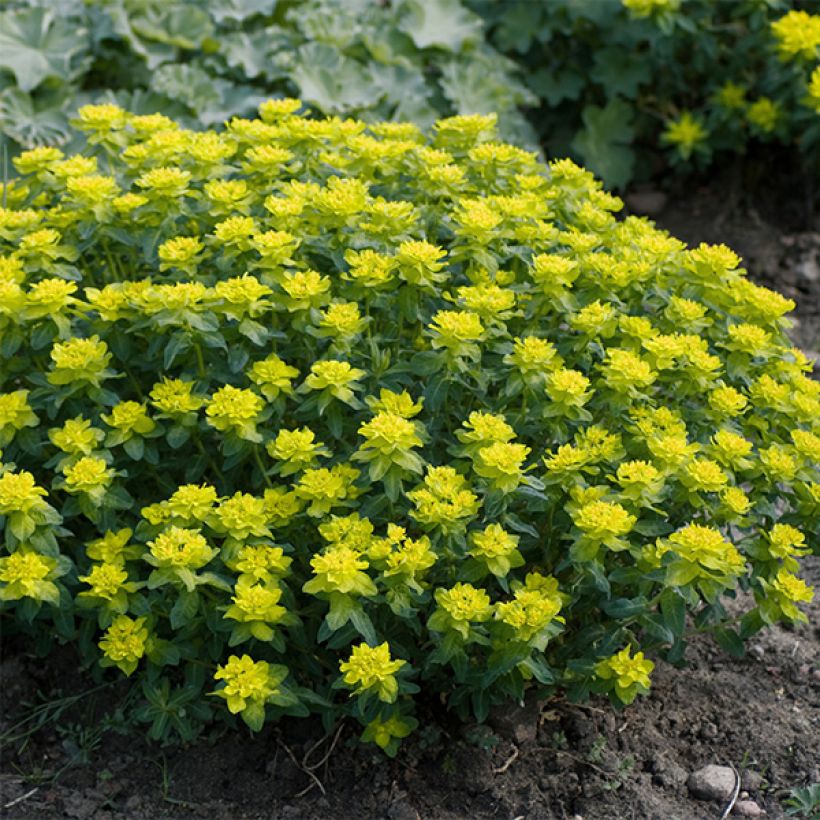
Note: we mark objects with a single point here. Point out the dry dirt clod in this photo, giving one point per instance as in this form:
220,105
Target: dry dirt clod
402,810
712,782
517,723
751,781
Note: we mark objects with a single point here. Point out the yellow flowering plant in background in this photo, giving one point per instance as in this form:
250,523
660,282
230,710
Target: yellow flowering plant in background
386,412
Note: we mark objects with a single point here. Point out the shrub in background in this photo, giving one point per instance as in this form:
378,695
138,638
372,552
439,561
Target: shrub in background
615,83
311,414
207,60
621,79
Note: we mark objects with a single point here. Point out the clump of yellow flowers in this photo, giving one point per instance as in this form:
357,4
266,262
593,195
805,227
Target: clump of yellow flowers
389,412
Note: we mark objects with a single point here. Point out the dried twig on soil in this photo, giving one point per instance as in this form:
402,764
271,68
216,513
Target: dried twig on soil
508,762
308,772
22,797
316,745
735,793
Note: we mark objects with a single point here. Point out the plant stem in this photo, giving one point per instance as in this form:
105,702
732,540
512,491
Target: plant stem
201,448
258,459
200,361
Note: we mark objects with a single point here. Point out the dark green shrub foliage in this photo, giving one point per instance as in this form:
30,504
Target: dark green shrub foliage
698,78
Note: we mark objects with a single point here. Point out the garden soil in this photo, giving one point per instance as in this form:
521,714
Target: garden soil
759,714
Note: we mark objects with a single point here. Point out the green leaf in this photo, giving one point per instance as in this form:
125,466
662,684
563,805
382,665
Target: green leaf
604,142
21,525
341,609
250,53
189,85
392,485
364,626
187,576
406,91
177,436
331,81
601,12
135,447
254,715
184,609
654,626
624,607
750,624
36,45
181,25
540,669
730,642
556,86
619,72
653,527
30,123
681,573
481,86
239,10
425,363
254,331
154,54
503,660
673,609
178,343
520,26
439,23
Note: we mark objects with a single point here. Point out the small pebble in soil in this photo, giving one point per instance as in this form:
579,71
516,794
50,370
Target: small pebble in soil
712,782
748,808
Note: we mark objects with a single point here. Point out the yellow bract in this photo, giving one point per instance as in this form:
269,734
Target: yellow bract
372,669
629,673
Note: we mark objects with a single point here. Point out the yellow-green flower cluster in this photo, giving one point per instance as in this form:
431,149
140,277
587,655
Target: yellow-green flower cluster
603,523
235,410
627,674
371,669
496,549
798,35
444,500
781,596
27,574
125,643
458,608
248,685
534,607
701,554
256,606
340,569
687,134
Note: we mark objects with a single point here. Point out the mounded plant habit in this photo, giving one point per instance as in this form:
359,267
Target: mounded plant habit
309,415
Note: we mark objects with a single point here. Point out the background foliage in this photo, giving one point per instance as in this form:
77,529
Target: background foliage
617,84
207,60
612,75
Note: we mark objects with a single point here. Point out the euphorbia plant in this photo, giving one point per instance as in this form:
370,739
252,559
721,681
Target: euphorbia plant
311,414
